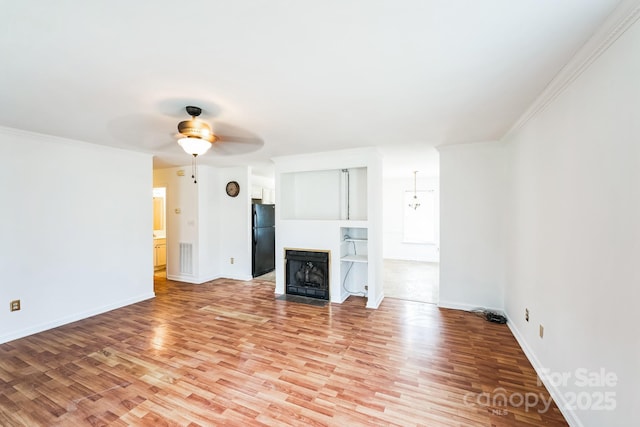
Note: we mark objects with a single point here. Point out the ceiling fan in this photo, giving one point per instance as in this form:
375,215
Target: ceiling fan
196,134
227,140
196,137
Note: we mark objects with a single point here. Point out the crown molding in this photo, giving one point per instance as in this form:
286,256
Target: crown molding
61,140
455,145
620,20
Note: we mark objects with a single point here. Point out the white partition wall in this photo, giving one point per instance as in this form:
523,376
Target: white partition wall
206,228
320,196
472,220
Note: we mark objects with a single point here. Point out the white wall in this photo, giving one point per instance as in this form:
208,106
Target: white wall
76,230
322,203
394,246
472,202
235,227
218,226
574,241
209,188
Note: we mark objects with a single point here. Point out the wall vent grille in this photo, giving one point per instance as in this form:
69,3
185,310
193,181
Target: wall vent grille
186,258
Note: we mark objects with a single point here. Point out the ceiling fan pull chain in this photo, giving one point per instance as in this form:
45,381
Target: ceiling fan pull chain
194,169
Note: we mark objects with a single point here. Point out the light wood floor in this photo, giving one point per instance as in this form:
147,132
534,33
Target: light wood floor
228,353
411,280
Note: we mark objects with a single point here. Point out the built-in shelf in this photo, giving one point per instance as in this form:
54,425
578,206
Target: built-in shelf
355,258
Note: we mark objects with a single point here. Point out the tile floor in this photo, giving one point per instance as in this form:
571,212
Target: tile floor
411,280
268,277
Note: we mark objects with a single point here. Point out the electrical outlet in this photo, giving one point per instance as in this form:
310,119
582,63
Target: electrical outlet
15,305
366,288
231,260
526,314
541,331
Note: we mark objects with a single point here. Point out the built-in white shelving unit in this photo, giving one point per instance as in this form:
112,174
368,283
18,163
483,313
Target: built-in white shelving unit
354,259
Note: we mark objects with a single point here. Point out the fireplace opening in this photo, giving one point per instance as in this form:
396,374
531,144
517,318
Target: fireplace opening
307,273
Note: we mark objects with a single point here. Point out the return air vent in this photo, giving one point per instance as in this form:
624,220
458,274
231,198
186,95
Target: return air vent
186,258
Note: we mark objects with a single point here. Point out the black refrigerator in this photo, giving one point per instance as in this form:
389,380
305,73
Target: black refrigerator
263,259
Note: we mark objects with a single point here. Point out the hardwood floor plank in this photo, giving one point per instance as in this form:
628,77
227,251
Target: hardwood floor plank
229,353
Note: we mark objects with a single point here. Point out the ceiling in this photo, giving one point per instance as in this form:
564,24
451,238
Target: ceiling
285,76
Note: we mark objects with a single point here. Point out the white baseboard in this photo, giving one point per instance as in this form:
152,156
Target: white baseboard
557,396
193,280
555,393
376,303
185,279
341,298
467,307
73,318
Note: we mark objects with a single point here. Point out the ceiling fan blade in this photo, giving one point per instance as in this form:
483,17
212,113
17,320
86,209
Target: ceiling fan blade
240,140
142,130
231,146
233,140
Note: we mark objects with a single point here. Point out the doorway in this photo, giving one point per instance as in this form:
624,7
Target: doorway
411,269
159,232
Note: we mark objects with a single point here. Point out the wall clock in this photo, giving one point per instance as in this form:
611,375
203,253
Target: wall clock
233,188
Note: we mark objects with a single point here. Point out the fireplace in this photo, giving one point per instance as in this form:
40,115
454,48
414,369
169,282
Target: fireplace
307,273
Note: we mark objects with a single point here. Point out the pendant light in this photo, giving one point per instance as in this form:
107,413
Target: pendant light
415,203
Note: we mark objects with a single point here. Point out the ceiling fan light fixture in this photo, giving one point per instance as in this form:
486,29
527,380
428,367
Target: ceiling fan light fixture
194,146
196,128
196,137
